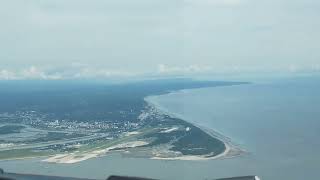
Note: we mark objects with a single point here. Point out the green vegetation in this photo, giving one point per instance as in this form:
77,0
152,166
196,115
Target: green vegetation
23,153
103,144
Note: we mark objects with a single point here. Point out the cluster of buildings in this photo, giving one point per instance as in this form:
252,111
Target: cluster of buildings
46,121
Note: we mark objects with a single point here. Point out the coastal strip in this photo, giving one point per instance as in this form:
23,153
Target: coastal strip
231,149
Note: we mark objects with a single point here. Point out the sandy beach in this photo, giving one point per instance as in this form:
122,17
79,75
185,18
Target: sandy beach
82,156
231,149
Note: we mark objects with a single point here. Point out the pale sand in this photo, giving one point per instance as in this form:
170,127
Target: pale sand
78,157
132,133
170,130
196,158
6,145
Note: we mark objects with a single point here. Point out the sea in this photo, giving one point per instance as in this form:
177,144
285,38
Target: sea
276,121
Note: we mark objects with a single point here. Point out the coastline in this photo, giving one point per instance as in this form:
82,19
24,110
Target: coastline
231,149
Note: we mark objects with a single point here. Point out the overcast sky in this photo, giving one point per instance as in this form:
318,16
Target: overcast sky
56,39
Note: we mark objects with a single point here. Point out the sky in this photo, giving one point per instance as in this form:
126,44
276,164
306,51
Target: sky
60,39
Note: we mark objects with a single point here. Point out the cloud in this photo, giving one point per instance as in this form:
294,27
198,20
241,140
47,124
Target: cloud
233,69
216,2
136,36
75,71
31,72
86,71
7,75
191,69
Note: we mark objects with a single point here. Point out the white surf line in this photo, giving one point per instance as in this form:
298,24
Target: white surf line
229,146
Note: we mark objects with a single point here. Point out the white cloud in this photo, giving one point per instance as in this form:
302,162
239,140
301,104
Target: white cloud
191,69
216,2
7,75
85,71
89,72
76,71
32,73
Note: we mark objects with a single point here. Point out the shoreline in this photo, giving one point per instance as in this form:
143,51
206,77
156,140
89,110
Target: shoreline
231,149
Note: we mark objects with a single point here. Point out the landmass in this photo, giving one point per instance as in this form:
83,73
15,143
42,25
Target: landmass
71,122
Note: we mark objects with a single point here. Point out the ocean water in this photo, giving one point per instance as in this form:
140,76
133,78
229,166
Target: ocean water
276,121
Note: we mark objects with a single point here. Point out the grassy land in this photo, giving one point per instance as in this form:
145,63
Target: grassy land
23,153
